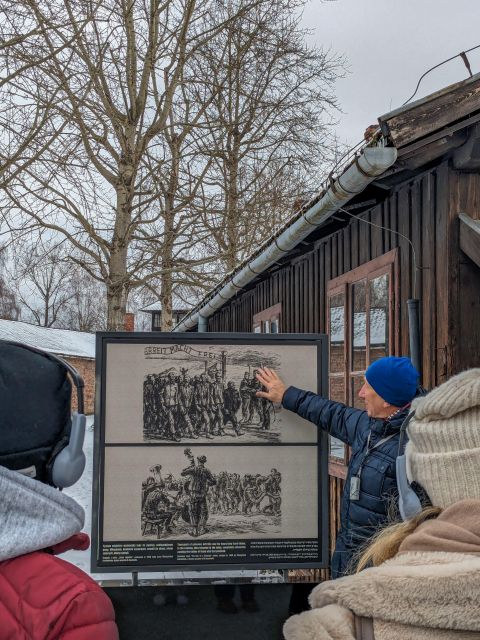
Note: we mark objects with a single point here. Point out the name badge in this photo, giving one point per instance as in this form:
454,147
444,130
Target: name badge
354,488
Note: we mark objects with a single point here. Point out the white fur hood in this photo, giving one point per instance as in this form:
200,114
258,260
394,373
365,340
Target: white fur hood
415,591
428,589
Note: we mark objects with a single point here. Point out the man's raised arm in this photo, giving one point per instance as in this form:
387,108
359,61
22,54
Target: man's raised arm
337,419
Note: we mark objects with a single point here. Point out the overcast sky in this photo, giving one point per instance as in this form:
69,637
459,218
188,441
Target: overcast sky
388,45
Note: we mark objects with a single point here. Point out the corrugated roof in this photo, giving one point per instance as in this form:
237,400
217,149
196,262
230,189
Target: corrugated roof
59,341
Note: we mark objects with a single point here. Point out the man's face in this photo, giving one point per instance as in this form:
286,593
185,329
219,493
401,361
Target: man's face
375,406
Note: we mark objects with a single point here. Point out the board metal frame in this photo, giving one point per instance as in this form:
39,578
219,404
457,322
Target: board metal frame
153,338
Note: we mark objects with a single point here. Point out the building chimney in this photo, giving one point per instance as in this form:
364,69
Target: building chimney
129,322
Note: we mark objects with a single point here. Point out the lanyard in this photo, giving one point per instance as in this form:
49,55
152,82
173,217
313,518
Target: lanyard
370,449
380,442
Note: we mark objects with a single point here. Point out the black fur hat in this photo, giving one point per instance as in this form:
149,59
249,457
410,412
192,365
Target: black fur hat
35,396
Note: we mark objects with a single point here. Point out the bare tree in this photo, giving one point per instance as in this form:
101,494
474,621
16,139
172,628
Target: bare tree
241,192
113,69
43,277
9,308
268,125
27,128
86,309
53,291
172,255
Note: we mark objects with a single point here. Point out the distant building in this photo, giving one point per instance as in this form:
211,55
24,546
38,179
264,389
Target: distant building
179,311
76,347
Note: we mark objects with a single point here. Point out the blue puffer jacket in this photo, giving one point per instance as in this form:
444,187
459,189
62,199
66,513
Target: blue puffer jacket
378,488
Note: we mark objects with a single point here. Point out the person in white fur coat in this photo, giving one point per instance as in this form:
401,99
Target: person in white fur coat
425,580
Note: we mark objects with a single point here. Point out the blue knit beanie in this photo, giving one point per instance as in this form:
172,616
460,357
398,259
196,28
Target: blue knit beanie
394,379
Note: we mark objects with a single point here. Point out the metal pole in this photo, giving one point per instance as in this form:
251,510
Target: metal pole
414,334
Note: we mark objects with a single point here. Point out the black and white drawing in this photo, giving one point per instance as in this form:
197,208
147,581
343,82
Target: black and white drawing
199,503
207,394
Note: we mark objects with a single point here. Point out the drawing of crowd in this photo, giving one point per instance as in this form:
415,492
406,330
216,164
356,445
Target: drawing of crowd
178,406
249,494
169,502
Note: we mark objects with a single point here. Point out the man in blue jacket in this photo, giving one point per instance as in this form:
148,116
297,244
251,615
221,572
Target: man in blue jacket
373,435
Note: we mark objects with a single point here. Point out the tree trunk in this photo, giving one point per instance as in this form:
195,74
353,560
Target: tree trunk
116,307
117,285
166,280
166,302
231,256
166,295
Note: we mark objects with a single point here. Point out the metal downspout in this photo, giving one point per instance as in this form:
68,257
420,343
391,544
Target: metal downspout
370,164
415,335
202,324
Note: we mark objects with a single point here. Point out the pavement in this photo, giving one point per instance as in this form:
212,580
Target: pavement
139,619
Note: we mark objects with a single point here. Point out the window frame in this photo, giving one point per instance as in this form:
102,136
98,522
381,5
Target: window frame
156,320
385,264
260,319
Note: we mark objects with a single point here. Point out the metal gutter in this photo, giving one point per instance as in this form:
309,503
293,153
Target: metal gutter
368,165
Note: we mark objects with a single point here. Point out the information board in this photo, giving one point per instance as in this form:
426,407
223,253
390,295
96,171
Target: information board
191,469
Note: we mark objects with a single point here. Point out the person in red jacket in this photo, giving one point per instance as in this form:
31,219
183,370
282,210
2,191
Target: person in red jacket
41,596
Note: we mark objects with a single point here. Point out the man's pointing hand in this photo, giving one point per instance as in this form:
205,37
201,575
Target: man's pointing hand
272,383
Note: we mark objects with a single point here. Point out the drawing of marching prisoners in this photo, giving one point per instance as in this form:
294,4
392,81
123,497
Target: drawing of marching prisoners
207,395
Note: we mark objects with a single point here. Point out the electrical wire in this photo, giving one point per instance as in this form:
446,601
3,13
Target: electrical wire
461,55
379,226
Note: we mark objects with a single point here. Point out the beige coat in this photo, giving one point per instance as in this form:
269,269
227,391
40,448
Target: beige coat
414,596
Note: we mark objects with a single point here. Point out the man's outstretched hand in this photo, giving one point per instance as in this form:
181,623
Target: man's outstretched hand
272,383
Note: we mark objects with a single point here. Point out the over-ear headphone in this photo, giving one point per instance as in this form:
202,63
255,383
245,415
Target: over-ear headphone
67,460
408,501
69,464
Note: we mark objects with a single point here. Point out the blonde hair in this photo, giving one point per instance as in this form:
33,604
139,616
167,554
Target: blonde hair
386,543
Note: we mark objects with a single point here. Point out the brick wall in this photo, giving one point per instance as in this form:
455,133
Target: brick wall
129,322
86,368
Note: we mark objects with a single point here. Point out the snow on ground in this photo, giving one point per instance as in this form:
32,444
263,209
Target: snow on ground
82,493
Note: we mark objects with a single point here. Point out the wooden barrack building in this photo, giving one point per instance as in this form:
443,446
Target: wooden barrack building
412,231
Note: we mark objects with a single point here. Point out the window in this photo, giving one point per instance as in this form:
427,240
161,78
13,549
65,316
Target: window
268,321
360,321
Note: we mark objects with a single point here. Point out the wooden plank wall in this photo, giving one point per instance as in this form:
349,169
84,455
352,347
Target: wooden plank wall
464,302
422,211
